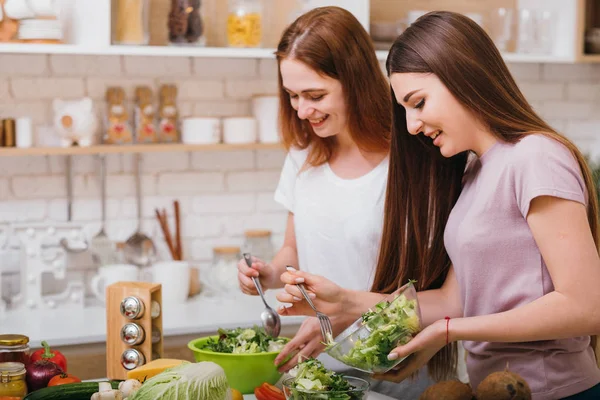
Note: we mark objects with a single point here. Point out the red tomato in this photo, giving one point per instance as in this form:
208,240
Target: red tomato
268,392
61,379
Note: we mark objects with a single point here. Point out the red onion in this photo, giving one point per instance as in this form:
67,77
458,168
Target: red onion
39,374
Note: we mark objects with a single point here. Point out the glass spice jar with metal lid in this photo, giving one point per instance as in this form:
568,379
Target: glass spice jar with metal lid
12,380
14,348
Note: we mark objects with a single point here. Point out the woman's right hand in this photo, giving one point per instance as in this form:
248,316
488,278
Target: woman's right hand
306,343
261,270
327,297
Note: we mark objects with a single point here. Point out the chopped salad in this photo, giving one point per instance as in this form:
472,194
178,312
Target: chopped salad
388,325
310,377
244,341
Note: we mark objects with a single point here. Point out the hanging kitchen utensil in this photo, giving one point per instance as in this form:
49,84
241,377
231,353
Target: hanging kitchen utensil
77,246
139,249
103,249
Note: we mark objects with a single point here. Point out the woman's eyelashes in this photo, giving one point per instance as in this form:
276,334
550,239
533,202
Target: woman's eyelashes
312,98
420,104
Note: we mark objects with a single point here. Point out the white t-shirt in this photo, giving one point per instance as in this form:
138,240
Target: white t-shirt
338,222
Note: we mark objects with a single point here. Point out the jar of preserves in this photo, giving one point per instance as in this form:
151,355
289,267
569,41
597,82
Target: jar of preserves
244,23
258,243
14,348
12,380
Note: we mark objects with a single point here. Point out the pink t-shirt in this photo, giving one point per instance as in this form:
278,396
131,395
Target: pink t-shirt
499,266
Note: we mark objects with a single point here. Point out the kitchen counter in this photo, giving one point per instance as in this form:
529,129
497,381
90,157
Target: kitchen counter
69,326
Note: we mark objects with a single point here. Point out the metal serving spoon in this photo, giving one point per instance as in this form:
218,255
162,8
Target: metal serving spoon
270,319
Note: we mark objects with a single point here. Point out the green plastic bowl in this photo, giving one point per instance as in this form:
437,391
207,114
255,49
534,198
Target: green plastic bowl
244,371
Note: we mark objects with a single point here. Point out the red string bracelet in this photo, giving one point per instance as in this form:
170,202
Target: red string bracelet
447,334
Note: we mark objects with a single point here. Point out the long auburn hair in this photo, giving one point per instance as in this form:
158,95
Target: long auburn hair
332,42
423,186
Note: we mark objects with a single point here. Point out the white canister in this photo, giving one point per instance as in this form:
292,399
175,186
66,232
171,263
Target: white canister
201,130
18,9
24,132
266,112
239,130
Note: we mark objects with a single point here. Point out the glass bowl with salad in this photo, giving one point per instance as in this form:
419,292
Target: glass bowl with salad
247,355
366,343
310,380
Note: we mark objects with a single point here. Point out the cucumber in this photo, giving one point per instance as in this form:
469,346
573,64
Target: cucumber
69,391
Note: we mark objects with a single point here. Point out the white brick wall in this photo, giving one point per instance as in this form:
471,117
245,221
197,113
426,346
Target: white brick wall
221,193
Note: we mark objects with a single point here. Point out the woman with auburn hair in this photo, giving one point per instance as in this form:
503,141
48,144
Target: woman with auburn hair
491,205
335,119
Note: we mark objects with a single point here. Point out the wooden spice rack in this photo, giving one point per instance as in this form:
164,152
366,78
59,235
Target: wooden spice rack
147,293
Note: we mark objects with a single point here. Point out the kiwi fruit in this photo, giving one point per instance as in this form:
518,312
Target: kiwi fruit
503,385
448,390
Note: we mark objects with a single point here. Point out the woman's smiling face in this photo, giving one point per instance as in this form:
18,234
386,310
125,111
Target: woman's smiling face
434,112
316,98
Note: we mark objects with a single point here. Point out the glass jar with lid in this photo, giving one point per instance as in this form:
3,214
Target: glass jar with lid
244,23
12,380
224,268
258,243
132,25
185,24
14,348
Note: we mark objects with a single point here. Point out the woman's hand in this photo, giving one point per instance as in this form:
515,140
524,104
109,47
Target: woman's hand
306,343
327,297
420,350
263,271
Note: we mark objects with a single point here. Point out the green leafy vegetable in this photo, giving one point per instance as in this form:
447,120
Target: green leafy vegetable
389,325
312,381
244,341
204,380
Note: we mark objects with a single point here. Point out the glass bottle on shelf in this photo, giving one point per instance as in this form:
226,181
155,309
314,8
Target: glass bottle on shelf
185,24
244,23
132,22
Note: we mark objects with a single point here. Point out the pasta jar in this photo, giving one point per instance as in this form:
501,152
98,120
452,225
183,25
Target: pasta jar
244,23
132,22
12,380
14,348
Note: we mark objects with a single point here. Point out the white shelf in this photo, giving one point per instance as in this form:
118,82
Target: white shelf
133,148
163,51
513,57
220,52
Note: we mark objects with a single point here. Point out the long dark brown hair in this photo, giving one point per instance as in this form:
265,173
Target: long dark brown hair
423,186
332,42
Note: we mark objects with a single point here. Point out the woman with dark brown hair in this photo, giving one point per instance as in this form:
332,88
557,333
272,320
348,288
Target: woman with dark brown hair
491,205
335,120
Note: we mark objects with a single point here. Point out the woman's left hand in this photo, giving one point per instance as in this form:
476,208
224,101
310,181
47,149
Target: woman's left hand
420,349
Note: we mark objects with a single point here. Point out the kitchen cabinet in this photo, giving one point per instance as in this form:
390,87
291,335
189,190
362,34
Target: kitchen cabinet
89,27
